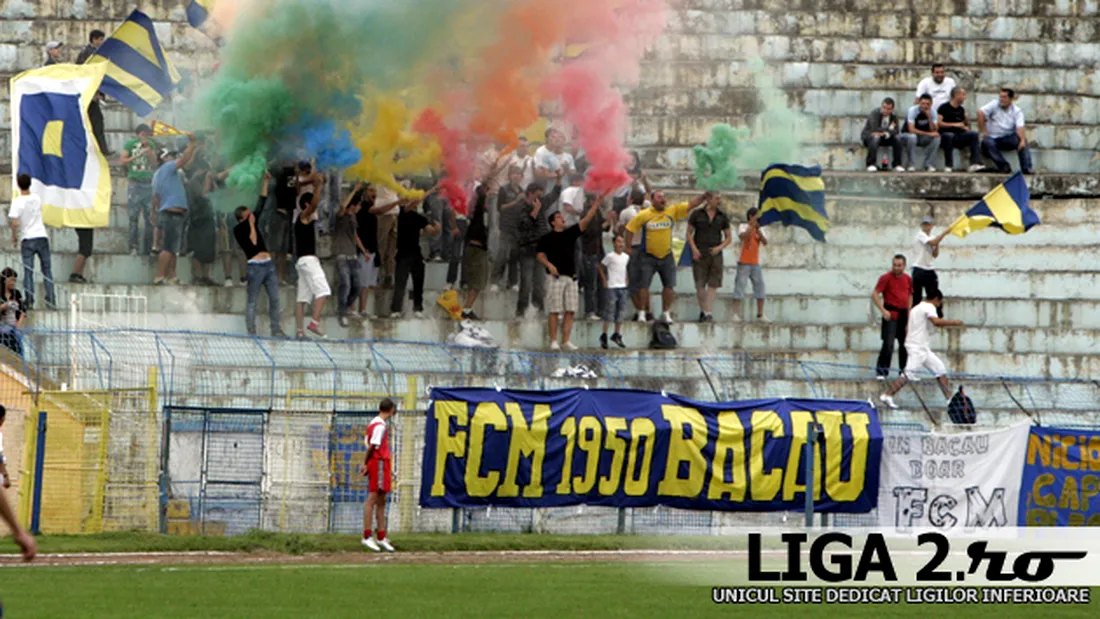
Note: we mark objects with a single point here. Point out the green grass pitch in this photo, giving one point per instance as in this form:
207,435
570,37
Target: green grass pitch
534,590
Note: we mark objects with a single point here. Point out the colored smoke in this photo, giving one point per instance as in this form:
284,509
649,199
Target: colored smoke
716,162
459,168
388,149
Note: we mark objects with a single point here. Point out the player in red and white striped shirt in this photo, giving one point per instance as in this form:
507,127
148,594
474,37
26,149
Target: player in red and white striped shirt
378,470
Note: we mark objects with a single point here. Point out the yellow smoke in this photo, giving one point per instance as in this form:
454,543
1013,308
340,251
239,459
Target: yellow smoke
382,135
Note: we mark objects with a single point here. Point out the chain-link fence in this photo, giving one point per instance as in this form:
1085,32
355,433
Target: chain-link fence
218,434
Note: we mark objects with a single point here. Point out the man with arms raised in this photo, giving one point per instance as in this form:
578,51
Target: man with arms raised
556,254
655,224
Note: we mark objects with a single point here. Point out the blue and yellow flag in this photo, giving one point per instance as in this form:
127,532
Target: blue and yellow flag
795,196
1006,207
52,142
139,74
198,11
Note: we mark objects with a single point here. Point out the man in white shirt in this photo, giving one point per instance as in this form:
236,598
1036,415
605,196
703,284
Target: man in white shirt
938,86
638,203
922,324
572,200
927,250
28,231
1001,124
552,158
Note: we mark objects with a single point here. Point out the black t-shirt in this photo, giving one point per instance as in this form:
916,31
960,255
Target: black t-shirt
478,233
286,190
559,248
708,232
242,232
409,225
305,238
952,114
368,228
923,122
592,237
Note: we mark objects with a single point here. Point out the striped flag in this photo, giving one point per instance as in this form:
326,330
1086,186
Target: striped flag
139,74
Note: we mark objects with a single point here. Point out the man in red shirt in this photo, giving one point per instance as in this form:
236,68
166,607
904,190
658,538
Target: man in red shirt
892,294
378,470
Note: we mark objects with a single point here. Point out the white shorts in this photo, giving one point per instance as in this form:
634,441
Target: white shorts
923,358
312,284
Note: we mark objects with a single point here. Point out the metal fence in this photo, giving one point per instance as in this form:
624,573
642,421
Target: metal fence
218,434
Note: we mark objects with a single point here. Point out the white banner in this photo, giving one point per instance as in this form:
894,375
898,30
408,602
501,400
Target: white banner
951,481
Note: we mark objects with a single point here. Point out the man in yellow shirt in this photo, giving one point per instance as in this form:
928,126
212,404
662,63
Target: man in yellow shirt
656,248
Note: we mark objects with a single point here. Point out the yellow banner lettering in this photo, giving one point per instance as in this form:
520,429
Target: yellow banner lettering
765,485
1038,446
795,464
617,446
569,431
527,440
643,432
832,422
1042,481
486,414
731,444
447,444
683,449
589,437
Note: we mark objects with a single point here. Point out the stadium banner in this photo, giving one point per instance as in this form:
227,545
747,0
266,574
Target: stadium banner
951,481
627,448
1061,478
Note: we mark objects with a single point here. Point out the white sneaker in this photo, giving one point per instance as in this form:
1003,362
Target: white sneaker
343,321
370,543
394,316
555,346
880,378
899,169
641,316
977,167
570,346
418,315
887,400
667,317
354,315
931,168
515,288
386,545
447,287
947,170
133,252
872,168
912,168
494,288
737,318
763,318
593,317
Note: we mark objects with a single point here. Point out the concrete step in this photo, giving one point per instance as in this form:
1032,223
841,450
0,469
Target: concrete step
852,310
749,337
783,281
956,51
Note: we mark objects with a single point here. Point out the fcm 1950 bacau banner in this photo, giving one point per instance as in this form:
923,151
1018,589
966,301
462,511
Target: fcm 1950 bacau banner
625,448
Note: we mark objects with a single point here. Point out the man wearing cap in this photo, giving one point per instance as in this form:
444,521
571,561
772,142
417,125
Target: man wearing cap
53,53
140,158
928,249
95,114
170,206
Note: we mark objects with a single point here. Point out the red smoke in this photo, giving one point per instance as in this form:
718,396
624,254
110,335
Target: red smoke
457,161
619,31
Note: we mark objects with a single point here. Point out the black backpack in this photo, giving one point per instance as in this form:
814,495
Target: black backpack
961,410
662,336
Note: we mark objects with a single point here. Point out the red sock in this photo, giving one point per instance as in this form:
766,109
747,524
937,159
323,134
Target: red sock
381,534
366,533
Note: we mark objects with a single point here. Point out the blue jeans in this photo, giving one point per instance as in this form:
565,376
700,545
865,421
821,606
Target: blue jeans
992,148
456,253
138,198
348,270
262,275
11,339
37,247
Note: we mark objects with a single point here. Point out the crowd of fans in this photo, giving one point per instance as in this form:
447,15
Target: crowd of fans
938,119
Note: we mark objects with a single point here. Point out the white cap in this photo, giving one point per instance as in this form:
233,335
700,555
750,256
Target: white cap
53,45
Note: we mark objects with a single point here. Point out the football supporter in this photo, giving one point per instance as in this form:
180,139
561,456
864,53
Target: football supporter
922,324
379,473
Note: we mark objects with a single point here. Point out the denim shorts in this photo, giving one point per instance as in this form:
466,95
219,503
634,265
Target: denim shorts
650,265
171,225
617,301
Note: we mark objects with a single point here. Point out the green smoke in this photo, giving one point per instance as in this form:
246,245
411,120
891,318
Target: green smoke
777,134
289,62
